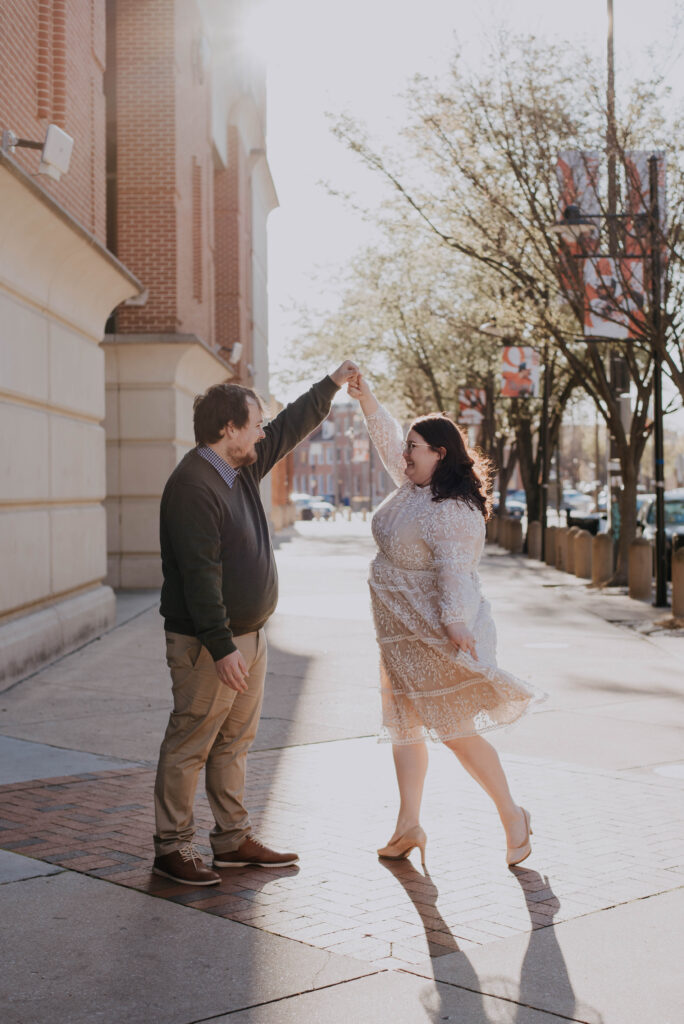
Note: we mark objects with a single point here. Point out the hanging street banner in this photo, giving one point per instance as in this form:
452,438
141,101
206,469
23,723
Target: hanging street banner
577,172
614,293
638,203
472,404
519,372
638,183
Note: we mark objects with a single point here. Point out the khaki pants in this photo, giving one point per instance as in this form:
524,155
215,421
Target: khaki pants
211,725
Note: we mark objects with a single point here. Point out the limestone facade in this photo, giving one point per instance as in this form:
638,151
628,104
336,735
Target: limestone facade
57,286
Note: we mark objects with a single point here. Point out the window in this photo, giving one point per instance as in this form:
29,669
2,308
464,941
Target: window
196,230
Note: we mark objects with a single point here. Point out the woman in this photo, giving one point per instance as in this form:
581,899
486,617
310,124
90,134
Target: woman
437,639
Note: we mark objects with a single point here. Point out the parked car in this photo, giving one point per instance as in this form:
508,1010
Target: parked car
594,522
324,509
674,521
516,507
300,499
576,501
302,503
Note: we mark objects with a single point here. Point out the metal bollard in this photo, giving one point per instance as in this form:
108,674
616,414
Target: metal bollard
640,569
561,541
349,513
515,536
570,549
550,553
678,582
601,559
583,541
534,540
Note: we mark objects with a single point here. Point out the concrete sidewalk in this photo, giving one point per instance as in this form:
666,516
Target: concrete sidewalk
588,929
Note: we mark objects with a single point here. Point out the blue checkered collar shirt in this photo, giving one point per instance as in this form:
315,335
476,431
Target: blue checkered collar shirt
220,465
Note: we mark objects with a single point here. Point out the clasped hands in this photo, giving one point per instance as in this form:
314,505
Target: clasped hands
350,374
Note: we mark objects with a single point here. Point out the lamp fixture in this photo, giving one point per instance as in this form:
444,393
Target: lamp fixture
55,154
574,224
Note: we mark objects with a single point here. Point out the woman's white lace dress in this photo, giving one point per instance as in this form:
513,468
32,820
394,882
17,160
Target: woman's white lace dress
423,578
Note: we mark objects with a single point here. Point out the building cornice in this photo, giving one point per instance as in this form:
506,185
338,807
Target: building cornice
28,182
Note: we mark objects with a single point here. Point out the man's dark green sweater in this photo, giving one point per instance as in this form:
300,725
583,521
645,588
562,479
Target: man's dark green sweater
220,575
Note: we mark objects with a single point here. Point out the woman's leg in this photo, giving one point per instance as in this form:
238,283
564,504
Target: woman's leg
480,759
410,764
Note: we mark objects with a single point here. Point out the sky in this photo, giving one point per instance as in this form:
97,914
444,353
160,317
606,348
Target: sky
357,57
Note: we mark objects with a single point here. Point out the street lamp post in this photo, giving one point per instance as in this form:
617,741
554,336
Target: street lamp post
660,551
544,445
574,225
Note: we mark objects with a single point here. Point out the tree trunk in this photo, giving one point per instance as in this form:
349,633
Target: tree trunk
529,469
630,459
505,471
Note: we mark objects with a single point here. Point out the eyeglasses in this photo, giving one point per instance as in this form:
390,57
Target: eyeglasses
410,445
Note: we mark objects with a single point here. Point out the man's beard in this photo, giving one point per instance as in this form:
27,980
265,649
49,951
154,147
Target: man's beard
249,459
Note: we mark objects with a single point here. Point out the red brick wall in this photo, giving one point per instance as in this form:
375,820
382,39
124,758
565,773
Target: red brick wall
282,476
164,168
194,176
145,145
51,67
233,252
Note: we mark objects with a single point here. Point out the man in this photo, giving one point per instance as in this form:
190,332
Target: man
220,587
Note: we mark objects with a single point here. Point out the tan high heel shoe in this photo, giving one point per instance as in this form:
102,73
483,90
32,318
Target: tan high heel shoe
517,854
401,847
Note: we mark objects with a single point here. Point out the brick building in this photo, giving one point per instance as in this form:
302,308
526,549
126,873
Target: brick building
127,287
338,464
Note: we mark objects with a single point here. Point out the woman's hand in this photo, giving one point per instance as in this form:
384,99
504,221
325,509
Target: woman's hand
358,388
344,373
461,638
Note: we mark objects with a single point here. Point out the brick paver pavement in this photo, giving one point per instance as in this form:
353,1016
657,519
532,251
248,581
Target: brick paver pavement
600,839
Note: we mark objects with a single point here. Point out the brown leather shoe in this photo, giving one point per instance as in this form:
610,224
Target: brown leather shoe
253,853
185,866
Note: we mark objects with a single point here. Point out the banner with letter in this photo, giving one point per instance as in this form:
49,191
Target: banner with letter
614,293
519,372
472,404
577,172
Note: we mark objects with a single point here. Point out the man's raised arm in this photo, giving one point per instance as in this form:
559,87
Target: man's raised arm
298,419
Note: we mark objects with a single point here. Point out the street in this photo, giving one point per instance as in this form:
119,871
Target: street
588,929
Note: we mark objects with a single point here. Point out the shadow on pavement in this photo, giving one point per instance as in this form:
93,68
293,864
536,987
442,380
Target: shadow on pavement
423,893
543,948
543,963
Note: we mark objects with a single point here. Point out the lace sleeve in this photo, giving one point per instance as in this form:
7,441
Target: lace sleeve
454,533
386,435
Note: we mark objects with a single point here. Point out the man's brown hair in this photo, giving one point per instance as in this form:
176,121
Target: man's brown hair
219,405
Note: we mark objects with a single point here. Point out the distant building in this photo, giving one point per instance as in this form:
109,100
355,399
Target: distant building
338,464
126,288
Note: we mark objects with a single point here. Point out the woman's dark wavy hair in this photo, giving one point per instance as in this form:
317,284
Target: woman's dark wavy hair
464,473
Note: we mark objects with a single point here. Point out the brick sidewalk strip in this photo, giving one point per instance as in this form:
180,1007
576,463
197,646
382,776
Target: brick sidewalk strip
600,839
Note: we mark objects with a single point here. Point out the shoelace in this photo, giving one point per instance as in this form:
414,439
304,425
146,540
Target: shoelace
190,852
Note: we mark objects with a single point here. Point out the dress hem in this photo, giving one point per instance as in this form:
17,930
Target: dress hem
430,734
